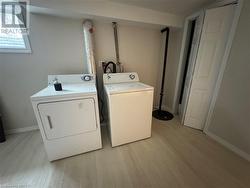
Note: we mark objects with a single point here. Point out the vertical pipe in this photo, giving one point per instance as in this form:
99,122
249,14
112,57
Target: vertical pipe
118,63
116,43
164,66
89,46
162,114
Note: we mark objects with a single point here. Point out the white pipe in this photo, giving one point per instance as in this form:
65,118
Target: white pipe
89,46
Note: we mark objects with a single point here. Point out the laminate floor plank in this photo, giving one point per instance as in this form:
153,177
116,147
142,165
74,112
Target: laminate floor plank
175,157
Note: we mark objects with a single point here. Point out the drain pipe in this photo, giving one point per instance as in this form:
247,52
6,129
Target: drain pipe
159,113
89,46
118,63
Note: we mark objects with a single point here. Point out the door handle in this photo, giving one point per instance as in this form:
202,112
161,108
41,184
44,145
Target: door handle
50,122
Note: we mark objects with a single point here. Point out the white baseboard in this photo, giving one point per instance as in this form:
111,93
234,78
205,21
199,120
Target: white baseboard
21,130
228,145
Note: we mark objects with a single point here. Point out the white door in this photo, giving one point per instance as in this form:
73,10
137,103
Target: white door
67,118
191,64
215,32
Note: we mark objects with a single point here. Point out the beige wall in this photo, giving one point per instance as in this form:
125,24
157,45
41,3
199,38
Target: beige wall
140,49
172,67
57,49
231,118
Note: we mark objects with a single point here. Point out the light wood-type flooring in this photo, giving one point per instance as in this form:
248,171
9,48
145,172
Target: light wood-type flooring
175,156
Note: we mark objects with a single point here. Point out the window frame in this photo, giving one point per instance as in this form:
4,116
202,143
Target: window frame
25,50
17,50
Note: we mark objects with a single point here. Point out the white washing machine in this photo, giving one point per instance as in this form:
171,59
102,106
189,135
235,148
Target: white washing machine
130,105
68,119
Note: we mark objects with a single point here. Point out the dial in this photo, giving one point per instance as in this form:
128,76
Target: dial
86,78
132,76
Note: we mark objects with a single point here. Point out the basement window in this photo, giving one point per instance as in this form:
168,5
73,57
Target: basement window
12,41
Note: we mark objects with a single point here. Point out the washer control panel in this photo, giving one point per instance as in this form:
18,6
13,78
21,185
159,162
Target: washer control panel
110,78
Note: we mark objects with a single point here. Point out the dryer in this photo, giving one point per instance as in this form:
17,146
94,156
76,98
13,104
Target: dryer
130,104
69,119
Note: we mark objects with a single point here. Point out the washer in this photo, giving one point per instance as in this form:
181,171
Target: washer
69,119
130,105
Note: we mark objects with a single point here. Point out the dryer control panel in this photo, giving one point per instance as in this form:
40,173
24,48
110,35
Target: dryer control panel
72,78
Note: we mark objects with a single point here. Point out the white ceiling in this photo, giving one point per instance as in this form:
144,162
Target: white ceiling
166,12
182,7
108,10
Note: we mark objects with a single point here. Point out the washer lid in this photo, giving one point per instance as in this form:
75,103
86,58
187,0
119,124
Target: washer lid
69,91
126,87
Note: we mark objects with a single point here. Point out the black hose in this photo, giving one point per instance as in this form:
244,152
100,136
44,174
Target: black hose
107,66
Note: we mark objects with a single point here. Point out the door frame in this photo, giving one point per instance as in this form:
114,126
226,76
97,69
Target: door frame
181,64
182,60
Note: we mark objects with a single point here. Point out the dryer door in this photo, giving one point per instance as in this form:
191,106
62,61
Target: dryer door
68,118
